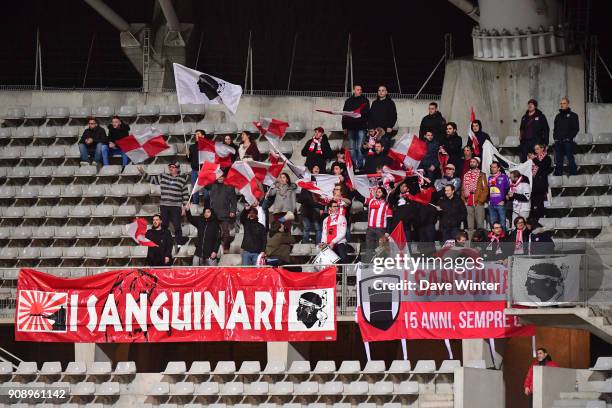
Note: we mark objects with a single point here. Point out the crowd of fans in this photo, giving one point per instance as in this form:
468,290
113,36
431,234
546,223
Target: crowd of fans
456,196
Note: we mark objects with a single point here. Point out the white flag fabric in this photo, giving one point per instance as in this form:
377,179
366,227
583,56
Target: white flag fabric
545,281
199,88
323,184
491,154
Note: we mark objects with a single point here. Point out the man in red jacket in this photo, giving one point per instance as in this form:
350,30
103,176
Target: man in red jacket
543,359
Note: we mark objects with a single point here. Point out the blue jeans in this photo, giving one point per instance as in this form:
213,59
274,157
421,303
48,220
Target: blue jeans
355,138
564,149
497,213
86,152
249,258
195,199
308,226
108,151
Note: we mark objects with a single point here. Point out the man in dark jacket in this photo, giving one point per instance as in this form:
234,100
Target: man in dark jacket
317,150
116,130
193,155
223,202
430,163
534,129
92,142
377,160
434,122
354,128
311,212
452,145
566,129
209,237
383,112
452,213
255,236
161,255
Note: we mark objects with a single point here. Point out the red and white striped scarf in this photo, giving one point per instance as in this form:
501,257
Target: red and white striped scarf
514,186
518,244
470,183
315,144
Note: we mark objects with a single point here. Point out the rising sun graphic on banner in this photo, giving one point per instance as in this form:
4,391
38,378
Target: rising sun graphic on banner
41,311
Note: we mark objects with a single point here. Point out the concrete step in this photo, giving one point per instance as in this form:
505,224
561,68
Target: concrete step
436,397
436,404
571,403
580,395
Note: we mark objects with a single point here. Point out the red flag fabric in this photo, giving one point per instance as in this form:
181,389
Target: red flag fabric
215,152
208,174
139,146
409,150
137,231
397,240
352,114
443,159
142,305
272,127
266,173
242,177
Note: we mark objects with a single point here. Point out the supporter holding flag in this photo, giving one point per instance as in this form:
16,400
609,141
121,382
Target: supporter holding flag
255,237
452,144
266,173
477,137
452,213
433,122
229,142
403,208
161,254
92,143
533,130
208,174
354,128
475,192
409,151
193,156
317,150
376,135
242,177
208,241
271,127
224,203
248,147
214,152
378,211
383,112
334,232
311,212
448,179
116,130
425,218
174,195
137,230
519,194
377,160
498,189
430,162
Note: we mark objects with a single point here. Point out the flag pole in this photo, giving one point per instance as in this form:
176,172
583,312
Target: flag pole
183,126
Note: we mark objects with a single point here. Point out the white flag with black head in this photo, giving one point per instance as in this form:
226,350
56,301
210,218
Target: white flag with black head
195,87
546,281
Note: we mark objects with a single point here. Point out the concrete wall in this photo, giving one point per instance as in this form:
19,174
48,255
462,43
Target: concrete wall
291,108
549,382
488,383
599,117
499,91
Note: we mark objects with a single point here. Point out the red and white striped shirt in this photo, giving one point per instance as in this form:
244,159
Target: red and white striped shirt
378,211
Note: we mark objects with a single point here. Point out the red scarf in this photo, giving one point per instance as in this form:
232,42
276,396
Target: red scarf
495,239
514,186
540,157
315,144
331,227
518,244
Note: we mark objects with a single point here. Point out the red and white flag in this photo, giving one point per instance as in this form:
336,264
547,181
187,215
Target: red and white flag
266,173
443,159
242,177
471,135
360,183
137,231
409,150
208,174
396,176
301,172
323,184
215,152
272,127
139,146
352,114
397,240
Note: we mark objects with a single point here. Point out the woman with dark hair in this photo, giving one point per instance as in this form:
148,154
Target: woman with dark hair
481,137
280,241
248,147
519,236
227,140
209,237
542,359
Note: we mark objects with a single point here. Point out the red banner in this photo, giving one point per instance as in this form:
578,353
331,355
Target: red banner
178,304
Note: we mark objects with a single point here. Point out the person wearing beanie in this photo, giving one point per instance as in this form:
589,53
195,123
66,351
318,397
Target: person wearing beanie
534,129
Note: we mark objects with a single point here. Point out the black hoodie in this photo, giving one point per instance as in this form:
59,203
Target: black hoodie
534,128
115,134
209,235
436,124
481,137
163,239
352,103
382,114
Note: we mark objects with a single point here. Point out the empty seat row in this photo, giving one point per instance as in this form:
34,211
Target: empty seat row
74,368
581,201
94,252
579,181
81,211
41,112
72,232
575,222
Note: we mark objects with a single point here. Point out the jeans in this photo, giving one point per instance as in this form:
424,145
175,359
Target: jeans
173,215
564,149
108,151
86,153
195,199
497,213
249,258
309,225
355,139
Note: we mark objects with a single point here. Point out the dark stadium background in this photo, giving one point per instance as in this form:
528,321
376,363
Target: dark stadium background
418,28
